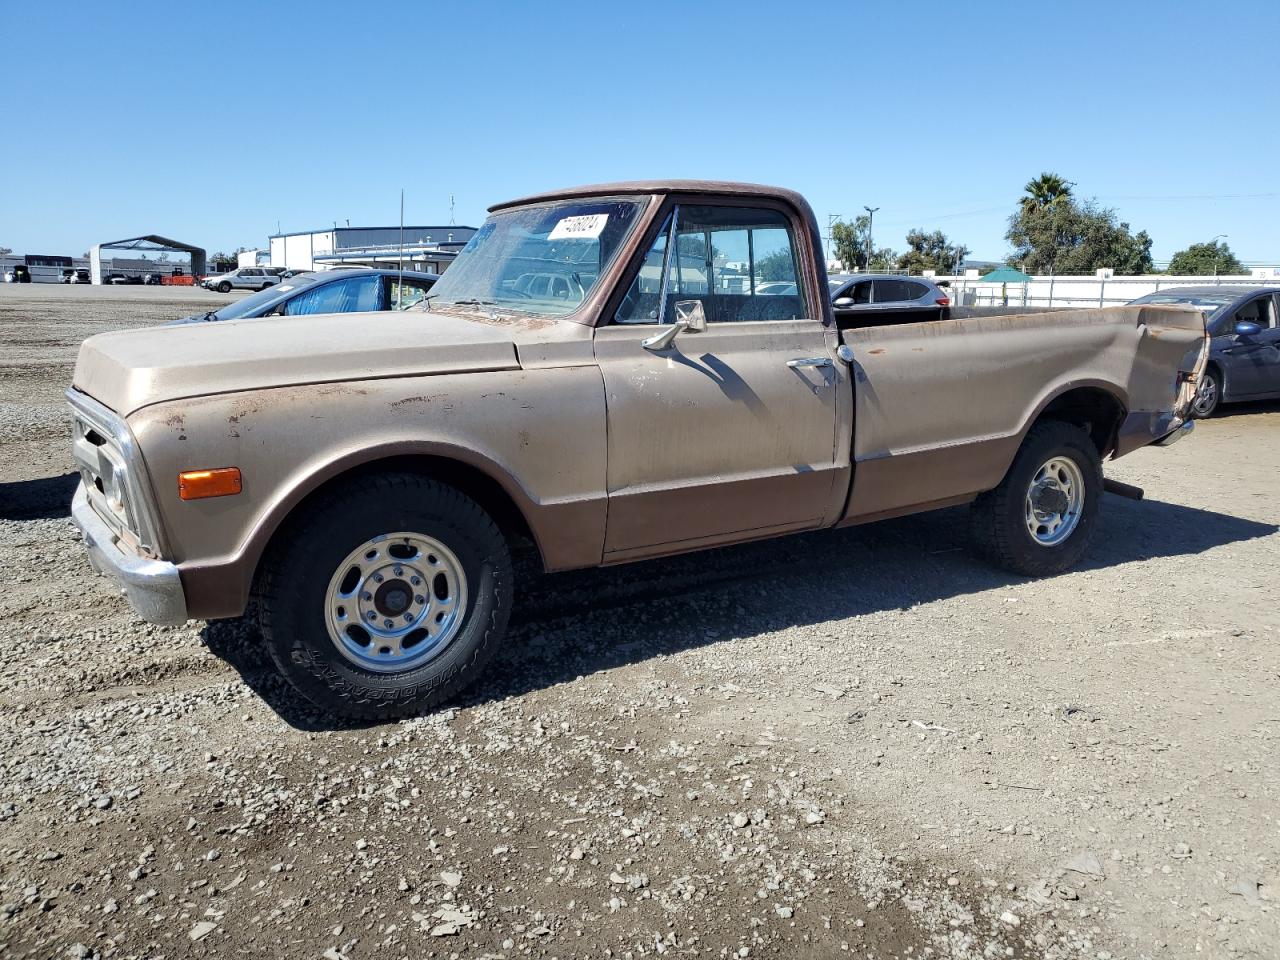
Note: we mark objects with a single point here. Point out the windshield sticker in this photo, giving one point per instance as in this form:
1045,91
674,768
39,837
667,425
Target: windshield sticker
586,227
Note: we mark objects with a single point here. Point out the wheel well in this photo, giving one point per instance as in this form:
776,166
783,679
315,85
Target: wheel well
1093,408
475,483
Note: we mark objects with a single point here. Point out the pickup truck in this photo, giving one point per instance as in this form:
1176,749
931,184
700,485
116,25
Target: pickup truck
364,478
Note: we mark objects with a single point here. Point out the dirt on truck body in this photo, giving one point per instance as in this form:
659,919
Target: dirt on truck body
611,372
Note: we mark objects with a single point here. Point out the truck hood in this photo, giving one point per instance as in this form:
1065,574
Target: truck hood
132,369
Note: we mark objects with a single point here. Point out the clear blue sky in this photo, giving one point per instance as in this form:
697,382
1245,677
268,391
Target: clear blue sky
210,123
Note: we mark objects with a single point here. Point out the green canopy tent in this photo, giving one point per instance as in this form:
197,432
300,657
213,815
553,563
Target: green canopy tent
1007,275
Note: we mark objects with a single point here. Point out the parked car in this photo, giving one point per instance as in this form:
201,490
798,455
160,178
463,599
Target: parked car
78,275
122,279
366,481
244,278
346,291
18,273
864,300
152,279
1244,359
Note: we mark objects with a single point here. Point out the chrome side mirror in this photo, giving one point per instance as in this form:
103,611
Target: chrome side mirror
842,303
690,316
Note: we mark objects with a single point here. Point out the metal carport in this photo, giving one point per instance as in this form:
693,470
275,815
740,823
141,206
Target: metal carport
150,242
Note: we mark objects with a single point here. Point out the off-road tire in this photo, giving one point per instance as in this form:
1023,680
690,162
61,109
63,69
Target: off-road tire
295,574
998,517
224,287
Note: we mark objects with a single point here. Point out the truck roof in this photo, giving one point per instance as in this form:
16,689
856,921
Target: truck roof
660,186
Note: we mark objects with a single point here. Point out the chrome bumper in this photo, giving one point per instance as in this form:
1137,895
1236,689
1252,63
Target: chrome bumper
1173,436
153,587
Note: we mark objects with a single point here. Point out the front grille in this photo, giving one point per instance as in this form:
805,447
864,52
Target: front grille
114,478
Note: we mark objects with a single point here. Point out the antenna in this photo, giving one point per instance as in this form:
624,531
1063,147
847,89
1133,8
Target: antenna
451,210
400,282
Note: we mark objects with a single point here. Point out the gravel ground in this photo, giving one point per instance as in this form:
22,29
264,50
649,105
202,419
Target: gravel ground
862,742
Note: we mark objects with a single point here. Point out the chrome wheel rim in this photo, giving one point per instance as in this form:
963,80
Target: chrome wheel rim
395,602
1206,396
1055,500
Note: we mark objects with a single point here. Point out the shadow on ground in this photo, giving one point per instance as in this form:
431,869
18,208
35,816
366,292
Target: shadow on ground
574,624
43,499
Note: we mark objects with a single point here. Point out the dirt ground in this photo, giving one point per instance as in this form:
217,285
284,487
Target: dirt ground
861,743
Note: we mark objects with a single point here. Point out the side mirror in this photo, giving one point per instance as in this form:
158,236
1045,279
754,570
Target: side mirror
842,303
1246,328
690,317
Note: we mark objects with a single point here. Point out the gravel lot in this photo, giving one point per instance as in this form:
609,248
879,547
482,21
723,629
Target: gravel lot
864,742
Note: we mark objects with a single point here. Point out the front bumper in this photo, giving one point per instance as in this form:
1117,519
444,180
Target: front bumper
154,587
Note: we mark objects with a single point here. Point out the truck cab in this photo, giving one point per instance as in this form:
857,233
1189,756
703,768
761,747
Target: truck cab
610,373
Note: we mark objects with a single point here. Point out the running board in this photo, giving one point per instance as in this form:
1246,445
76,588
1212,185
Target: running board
1126,490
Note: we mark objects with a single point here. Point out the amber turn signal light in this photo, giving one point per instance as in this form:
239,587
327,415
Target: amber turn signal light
198,484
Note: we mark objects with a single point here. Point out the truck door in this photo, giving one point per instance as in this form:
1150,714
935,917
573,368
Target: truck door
729,433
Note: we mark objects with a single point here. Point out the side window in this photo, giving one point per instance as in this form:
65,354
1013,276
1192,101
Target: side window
892,291
640,305
861,292
354,295
405,292
739,261
1259,311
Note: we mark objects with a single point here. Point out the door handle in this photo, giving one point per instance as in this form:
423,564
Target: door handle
809,362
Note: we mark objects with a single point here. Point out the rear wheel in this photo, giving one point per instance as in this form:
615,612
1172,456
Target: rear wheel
1040,518
1208,394
387,597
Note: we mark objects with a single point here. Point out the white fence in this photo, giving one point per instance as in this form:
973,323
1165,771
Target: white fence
1075,291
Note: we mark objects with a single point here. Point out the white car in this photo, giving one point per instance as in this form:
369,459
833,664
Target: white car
245,278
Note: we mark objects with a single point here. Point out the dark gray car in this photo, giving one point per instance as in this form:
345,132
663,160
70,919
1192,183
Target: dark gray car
873,300
333,291
1244,357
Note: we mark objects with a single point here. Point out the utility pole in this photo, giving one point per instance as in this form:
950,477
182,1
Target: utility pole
871,217
1216,255
831,219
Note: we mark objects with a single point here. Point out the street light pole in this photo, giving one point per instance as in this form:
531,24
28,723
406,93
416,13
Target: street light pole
831,219
1216,255
871,217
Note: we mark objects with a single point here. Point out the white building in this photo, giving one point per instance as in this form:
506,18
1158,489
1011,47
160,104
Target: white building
430,249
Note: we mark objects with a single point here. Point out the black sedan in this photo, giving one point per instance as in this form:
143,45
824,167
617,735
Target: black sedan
330,291
1244,356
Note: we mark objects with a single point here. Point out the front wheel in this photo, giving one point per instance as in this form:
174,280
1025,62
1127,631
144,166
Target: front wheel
387,597
1040,518
224,287
1208,395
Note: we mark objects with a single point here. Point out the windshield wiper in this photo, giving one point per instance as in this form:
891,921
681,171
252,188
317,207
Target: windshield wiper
473,302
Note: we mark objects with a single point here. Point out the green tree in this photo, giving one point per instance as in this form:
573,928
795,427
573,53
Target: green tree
1205,259
930,251
776,266
5,251
1046,189
849,241
1064,235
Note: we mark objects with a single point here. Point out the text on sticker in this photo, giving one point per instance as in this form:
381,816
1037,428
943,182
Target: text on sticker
585,227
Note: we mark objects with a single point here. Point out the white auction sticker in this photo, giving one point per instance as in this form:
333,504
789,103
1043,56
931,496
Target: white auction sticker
586,227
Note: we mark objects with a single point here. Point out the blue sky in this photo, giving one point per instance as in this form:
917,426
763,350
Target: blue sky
214,127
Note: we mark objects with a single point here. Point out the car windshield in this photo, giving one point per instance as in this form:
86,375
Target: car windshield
247,305
1208,303
542,260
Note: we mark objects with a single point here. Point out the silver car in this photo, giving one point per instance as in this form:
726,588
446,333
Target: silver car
874,300
245,278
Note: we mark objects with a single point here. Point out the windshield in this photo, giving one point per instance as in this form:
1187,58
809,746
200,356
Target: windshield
542,260
247,305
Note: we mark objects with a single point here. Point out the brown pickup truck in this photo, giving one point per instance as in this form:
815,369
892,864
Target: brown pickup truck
611,372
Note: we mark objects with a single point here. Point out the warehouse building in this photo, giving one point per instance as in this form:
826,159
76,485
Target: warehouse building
431,249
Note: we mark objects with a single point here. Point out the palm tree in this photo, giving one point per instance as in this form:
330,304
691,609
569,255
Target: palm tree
1045,189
